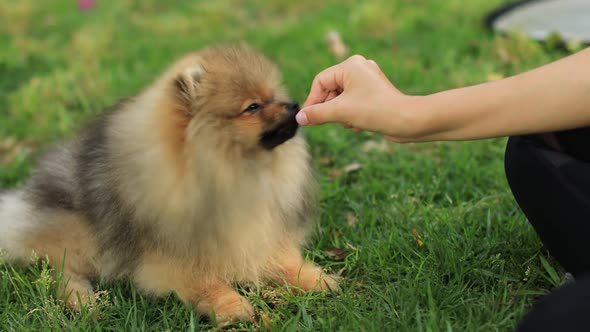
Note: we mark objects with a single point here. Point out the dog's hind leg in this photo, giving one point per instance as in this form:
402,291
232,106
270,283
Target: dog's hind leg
65,239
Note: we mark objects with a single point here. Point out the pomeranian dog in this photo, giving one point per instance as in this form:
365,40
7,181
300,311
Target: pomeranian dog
198,182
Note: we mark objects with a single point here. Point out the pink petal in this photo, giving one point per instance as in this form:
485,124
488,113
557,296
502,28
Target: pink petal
85,5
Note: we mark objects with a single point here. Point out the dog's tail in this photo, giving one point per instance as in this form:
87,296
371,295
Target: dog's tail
16,220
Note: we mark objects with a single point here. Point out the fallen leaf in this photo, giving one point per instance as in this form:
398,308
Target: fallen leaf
336,253
350,246
352,167
418,237
358,284
336,45
351,219
382,145
326,161
335,174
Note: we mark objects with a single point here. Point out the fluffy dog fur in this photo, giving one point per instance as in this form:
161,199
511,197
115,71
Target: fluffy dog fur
197,182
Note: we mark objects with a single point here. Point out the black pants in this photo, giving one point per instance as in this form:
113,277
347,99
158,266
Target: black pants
549,176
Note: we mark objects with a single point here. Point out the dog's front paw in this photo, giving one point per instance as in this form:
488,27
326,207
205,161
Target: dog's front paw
228,307
327,282
310,277
233,307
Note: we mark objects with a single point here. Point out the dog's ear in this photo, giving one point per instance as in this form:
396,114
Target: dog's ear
187,84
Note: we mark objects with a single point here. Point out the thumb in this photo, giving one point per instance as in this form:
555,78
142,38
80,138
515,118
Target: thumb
318,114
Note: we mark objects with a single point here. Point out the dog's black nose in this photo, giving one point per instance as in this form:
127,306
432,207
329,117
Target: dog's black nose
292,107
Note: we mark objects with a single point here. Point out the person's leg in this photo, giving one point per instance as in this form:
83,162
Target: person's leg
549,176
575,142
553,190
566,309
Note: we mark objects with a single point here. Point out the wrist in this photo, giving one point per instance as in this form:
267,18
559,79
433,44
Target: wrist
413,118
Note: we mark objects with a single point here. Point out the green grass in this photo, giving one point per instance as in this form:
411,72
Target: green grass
480,266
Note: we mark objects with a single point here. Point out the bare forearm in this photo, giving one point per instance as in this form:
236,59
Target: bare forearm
553,97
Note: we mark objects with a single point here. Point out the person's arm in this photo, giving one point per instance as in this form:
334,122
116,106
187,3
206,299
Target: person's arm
356,93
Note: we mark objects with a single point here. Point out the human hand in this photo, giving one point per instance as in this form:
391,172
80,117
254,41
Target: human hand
357,94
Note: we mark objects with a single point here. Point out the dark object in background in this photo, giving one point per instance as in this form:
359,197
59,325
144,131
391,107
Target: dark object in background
541,19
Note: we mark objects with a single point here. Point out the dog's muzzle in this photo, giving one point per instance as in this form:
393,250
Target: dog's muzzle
282,132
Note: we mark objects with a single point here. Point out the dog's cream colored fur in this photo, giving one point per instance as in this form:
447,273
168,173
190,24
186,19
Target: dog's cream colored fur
215,206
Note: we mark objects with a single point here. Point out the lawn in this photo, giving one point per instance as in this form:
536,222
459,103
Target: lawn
432,237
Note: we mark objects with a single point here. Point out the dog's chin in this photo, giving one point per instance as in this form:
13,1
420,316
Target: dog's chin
279,134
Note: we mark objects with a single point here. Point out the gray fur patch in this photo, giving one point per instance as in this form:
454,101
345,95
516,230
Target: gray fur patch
77,177
53,184
118,236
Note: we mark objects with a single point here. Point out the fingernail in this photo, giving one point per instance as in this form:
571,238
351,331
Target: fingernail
301,118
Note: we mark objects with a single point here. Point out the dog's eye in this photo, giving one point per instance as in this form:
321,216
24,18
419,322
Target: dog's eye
252,108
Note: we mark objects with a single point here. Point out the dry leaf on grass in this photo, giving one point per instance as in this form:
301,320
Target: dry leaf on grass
351,219
350,246
358,284
352,167
336,45
335,174
381,145
326,161
337,254
418,238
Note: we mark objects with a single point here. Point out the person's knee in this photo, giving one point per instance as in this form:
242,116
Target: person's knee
547,186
